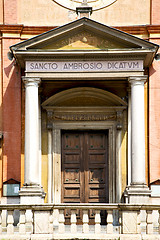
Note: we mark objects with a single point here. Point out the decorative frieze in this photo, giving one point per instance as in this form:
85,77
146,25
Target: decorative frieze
79,117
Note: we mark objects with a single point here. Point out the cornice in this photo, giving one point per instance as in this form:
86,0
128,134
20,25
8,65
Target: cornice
24,30
154,29
134,30
140,30
7,28
35,30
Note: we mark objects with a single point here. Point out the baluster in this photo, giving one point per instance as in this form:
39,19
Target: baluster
22,222
110,221
139,222
97,221
51,222
10,221
73,221
149,222
61,228
29,221
85,221
55,217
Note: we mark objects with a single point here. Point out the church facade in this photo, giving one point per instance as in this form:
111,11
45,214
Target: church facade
86,125
79,105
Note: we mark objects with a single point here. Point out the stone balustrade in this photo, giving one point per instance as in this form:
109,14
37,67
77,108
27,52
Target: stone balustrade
80,221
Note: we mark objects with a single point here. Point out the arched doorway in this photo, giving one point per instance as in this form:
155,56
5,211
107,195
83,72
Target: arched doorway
84,124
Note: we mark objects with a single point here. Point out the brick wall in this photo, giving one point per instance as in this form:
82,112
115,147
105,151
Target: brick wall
11,115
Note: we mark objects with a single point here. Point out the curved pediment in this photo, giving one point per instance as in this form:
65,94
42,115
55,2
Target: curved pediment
84,97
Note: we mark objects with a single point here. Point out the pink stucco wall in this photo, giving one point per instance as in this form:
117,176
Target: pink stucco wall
154,119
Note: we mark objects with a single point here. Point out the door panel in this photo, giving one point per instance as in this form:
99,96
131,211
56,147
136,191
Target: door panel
84,168
96,157
72,176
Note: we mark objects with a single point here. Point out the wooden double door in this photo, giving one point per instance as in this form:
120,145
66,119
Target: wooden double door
84,167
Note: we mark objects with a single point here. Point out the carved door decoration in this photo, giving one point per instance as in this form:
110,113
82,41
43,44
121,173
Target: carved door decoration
84,168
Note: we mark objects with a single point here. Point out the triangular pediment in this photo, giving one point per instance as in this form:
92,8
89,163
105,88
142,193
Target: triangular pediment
85,35
81,34
85,40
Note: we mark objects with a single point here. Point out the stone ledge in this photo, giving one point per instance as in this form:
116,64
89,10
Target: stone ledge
70,236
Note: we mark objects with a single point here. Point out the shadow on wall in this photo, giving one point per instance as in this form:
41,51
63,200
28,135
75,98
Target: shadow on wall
10,115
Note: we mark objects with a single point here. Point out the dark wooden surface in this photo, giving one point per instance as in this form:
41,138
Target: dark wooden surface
84,168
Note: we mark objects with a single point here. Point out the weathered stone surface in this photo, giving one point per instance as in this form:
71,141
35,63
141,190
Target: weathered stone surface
129,220
41,222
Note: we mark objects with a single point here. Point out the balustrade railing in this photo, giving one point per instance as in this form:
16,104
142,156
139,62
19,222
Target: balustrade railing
51,219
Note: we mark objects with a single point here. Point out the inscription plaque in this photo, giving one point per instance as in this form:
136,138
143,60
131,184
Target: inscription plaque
84,66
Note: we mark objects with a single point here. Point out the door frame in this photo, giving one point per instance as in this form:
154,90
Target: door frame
56,153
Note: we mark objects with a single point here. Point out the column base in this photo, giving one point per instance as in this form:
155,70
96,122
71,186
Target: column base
137,193
31,195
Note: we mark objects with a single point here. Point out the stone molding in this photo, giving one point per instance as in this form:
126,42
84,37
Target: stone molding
31,194
137,193
34,30
110,99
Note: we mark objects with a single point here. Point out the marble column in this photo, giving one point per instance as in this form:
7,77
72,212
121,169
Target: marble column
129,136
32,190
137,191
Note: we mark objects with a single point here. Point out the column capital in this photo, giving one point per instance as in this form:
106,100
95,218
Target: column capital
31,81
137,80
